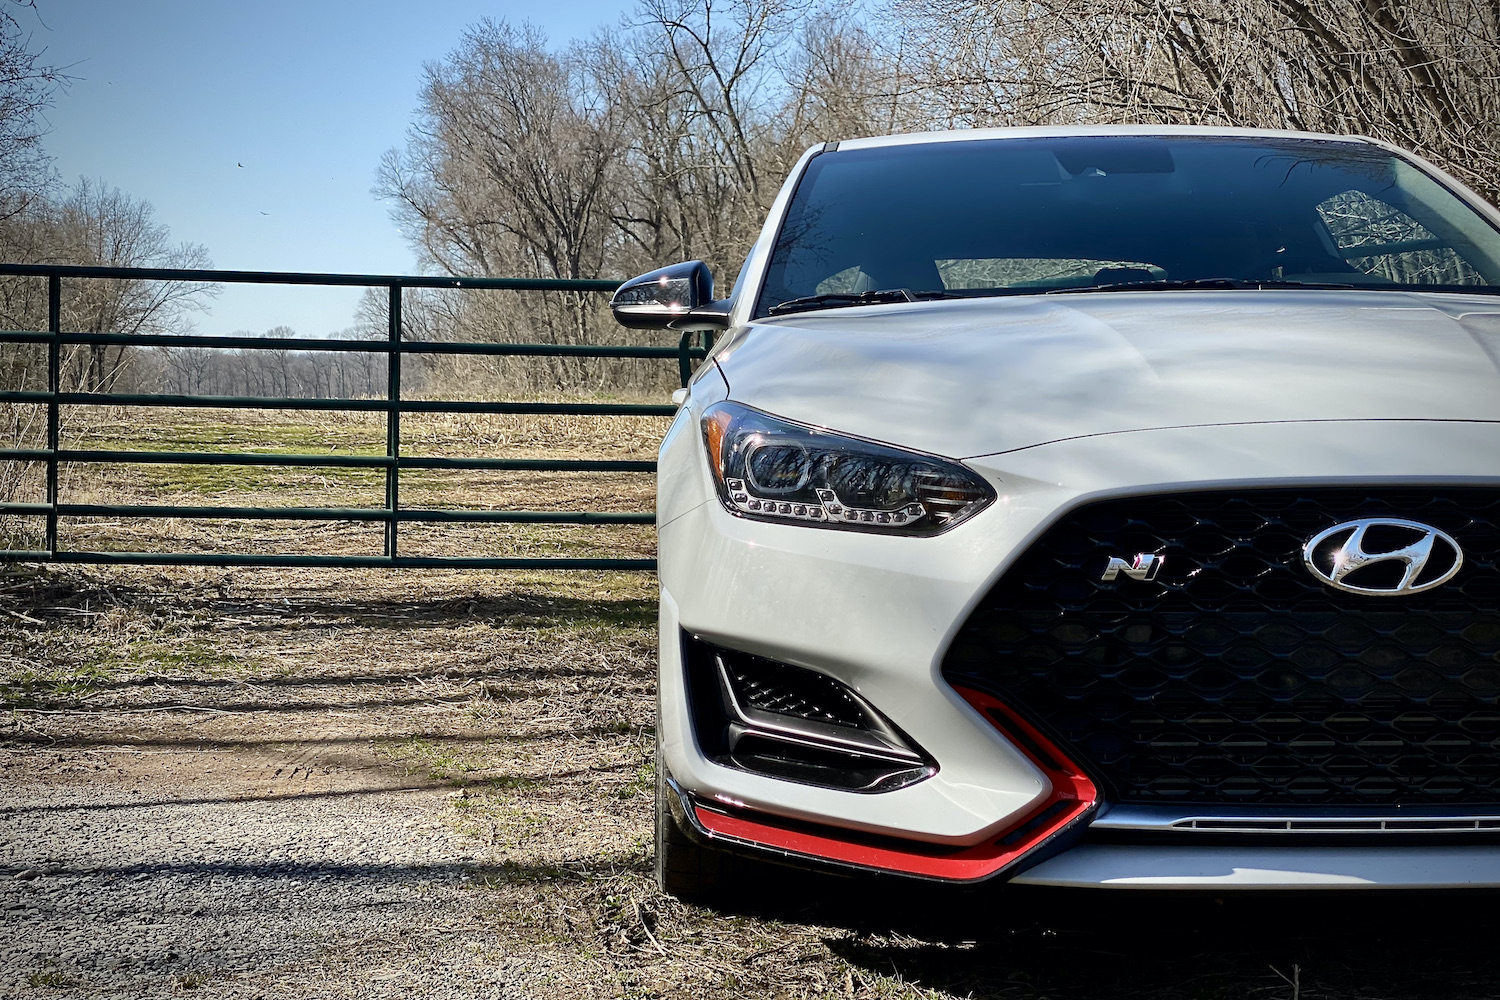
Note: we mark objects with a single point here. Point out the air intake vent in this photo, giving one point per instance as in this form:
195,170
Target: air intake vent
768,686
789,722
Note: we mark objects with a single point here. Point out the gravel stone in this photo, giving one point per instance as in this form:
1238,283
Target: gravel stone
135,891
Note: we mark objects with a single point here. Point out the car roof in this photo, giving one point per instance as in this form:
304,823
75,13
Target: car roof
1056,131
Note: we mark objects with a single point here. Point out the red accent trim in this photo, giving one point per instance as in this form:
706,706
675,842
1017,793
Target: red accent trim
1072,795
1068,779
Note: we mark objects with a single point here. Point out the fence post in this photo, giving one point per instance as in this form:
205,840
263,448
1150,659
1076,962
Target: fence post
684,359
684,352
54,386
393,423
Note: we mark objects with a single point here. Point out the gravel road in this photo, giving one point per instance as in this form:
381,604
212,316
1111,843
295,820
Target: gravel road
250,877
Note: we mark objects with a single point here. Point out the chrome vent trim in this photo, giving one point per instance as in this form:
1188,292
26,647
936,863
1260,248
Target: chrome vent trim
1337,825
1149,820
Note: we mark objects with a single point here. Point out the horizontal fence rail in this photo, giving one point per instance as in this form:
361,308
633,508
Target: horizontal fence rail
392,514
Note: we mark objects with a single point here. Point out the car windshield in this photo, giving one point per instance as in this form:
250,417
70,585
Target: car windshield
1014,216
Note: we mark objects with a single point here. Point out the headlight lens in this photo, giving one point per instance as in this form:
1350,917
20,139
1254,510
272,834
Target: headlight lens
775,470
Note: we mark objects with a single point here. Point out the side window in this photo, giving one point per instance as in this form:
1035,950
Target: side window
1384,242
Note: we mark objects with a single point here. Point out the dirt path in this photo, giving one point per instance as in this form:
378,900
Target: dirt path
283,784
135,870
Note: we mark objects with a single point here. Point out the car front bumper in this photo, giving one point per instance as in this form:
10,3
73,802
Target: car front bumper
878,614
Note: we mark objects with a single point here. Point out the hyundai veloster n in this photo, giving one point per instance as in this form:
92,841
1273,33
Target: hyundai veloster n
1089,507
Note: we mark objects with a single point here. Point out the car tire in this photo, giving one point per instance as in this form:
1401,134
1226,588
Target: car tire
691,871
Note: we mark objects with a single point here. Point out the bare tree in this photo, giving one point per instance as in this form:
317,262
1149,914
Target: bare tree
1424,74
27,86
95,225
663,141
720,57
509,167
510,171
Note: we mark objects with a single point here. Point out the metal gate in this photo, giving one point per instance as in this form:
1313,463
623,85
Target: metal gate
395,347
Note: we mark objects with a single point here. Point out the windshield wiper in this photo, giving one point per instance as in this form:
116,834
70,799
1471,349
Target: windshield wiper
1165,284
836,299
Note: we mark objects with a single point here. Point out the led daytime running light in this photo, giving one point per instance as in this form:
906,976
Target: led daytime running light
828,508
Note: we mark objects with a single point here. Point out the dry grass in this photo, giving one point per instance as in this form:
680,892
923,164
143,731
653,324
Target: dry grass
319,433
334,432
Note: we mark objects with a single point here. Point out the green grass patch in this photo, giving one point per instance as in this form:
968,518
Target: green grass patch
220,479
48,979
67,662
585,620
31,688
222,437
188,655
455,765
642,784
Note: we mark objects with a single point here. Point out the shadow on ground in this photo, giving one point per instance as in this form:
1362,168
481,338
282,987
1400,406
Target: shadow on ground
55,600
1026,942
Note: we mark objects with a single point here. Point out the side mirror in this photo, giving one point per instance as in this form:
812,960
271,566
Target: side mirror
679,297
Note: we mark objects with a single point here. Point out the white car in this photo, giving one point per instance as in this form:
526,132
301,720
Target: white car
1094,507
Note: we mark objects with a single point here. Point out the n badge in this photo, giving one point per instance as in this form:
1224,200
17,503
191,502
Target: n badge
1144,567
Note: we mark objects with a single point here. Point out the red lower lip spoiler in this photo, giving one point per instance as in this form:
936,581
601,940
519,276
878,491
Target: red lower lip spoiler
1072,795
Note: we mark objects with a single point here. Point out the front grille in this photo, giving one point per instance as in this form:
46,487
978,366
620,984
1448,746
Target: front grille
1235,676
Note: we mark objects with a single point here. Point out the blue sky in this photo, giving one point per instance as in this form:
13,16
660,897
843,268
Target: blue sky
170,97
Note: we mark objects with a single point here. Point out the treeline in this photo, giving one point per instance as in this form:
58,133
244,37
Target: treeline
268,371
666,139
1423,74
89,224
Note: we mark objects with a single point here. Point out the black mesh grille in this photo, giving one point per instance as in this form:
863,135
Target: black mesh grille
805,694
1235,676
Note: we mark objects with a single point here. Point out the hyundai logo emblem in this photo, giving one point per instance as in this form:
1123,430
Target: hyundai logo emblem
1383,556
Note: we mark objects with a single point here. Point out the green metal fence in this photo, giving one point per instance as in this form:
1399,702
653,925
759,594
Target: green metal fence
395,347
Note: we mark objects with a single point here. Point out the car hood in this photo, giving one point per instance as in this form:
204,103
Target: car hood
980,376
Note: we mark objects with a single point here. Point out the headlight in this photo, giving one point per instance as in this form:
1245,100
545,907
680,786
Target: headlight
773,469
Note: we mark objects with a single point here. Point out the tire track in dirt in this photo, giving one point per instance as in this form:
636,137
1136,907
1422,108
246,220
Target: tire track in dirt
141,878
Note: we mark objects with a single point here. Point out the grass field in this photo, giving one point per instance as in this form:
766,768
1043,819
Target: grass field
322,433
531,696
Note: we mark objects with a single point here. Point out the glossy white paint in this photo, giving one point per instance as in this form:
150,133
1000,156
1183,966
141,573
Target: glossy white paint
979,376
1057,400
878,612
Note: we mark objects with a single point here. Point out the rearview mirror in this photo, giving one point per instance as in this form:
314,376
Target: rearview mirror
679,297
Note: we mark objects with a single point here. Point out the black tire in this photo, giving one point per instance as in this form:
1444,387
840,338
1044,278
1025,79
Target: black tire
691,871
